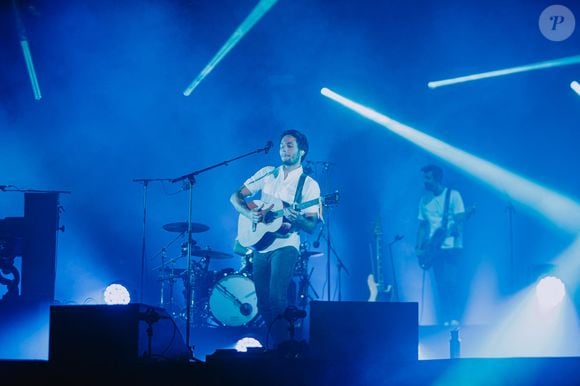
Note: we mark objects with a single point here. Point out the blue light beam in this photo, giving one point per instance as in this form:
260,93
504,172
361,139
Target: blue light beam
492,74
26,52
30,68
257,13
560,210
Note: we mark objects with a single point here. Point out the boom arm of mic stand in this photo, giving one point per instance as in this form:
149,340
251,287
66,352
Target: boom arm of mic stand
147,180
223,163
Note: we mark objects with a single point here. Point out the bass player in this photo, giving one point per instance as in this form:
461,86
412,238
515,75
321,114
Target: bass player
439,241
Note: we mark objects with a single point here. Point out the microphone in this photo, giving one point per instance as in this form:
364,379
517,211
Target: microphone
316,243
246,309
151,316
269,145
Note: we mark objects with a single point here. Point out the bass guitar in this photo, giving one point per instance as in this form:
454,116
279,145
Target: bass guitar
430,247
260,235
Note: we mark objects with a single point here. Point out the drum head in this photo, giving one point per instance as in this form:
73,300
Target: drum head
233,300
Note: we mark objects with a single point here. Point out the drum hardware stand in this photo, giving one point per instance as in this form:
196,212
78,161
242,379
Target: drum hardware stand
305,285
190,177
201,296
163,268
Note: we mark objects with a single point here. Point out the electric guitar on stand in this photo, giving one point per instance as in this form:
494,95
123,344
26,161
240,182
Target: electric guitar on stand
379,290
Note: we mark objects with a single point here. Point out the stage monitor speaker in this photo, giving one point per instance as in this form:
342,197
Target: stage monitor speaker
113,334
380,332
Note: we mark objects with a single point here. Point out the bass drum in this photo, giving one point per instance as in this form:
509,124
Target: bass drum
233,300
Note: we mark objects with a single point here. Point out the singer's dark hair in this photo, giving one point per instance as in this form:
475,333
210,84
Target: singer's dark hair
436,170
301,140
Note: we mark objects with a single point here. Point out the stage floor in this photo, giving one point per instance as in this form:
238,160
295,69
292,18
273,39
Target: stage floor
257,370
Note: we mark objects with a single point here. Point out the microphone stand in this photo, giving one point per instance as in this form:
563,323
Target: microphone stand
328,249
339,264
145,182
190,177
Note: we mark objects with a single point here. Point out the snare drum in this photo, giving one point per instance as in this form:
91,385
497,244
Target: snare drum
233,300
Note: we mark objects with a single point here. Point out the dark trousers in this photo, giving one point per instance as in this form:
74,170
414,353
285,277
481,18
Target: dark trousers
272,274
447,274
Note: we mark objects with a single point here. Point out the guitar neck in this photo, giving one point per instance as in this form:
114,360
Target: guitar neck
308,204
379,258
304,205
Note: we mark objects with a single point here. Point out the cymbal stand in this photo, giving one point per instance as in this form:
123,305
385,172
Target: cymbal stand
304,286
162,300
190,177
191,181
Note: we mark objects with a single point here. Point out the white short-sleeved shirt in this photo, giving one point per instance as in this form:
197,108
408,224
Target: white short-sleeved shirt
271,183
431,210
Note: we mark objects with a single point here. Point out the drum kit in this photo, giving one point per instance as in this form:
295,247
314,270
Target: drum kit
221,298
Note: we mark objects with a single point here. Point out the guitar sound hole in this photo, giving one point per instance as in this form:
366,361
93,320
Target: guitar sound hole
269,217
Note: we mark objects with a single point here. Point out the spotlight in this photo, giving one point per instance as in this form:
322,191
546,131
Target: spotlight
574,85
116,294
243,344
549,292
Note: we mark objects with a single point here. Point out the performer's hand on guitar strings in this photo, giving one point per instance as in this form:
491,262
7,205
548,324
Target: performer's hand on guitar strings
258,214
291,214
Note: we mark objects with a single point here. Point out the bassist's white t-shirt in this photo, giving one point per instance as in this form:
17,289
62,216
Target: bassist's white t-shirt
431,210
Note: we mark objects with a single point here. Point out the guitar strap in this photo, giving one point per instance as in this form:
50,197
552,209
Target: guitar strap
445,218
298,195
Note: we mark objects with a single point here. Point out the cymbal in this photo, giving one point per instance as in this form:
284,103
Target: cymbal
311,254
182,227
212,254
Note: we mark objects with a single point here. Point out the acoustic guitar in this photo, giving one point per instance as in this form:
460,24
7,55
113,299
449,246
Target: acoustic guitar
260,235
